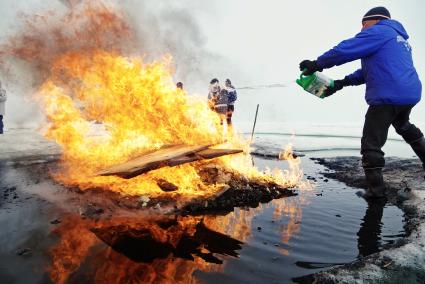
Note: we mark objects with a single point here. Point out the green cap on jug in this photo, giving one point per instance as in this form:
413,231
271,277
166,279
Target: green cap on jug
305,81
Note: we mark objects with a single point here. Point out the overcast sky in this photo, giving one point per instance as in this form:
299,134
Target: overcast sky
262,42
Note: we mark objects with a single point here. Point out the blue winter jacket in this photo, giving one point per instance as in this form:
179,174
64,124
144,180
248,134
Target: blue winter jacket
387,65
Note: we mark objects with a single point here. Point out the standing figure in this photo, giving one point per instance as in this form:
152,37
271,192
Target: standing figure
217,99
232,96
393,88
3,98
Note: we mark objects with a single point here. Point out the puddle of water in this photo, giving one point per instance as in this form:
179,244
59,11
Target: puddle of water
276,242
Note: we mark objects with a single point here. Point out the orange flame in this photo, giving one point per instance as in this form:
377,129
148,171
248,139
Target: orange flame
140,110
295,173
104,106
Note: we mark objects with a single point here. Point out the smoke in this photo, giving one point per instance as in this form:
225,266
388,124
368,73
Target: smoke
81,29
133,28
70,3
171,29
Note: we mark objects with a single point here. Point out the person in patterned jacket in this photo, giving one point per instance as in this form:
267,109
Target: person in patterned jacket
217,99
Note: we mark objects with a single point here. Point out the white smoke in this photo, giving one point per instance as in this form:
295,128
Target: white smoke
160,28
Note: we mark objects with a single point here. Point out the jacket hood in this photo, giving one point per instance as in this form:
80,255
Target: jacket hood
397,26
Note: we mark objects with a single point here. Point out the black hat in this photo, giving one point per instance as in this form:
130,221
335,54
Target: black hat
377,13
213,81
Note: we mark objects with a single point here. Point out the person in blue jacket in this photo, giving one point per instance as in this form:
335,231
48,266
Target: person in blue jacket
232,96
393,88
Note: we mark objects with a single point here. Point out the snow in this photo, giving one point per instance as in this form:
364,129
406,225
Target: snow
22,143
25,143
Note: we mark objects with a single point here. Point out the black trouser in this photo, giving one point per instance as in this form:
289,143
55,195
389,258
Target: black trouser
375,131
230,110
1,124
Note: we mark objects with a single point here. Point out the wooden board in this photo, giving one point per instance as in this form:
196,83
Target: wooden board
168,156
151,161
203,155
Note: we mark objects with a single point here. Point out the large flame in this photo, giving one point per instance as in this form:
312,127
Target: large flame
105,105
140,110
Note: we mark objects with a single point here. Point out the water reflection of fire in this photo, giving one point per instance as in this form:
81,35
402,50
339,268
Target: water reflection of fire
144,251
158,249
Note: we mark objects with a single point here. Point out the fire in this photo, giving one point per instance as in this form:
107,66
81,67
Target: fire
105,104
294,175
140,110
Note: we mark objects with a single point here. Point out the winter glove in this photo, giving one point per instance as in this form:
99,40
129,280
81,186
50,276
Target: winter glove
309,66
338,85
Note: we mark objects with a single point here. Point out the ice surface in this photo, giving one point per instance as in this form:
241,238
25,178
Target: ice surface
22,143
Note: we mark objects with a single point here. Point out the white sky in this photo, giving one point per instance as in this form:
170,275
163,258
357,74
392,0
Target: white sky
262,42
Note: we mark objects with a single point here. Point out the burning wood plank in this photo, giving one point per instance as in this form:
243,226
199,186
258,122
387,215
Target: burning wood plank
201,155
169,156
151,161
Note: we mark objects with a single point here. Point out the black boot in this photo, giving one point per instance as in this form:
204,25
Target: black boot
375,183
419,149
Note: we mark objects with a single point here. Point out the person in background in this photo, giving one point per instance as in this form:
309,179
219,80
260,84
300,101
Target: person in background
179,85
3,98
393,88
231,99
213,91
217,99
